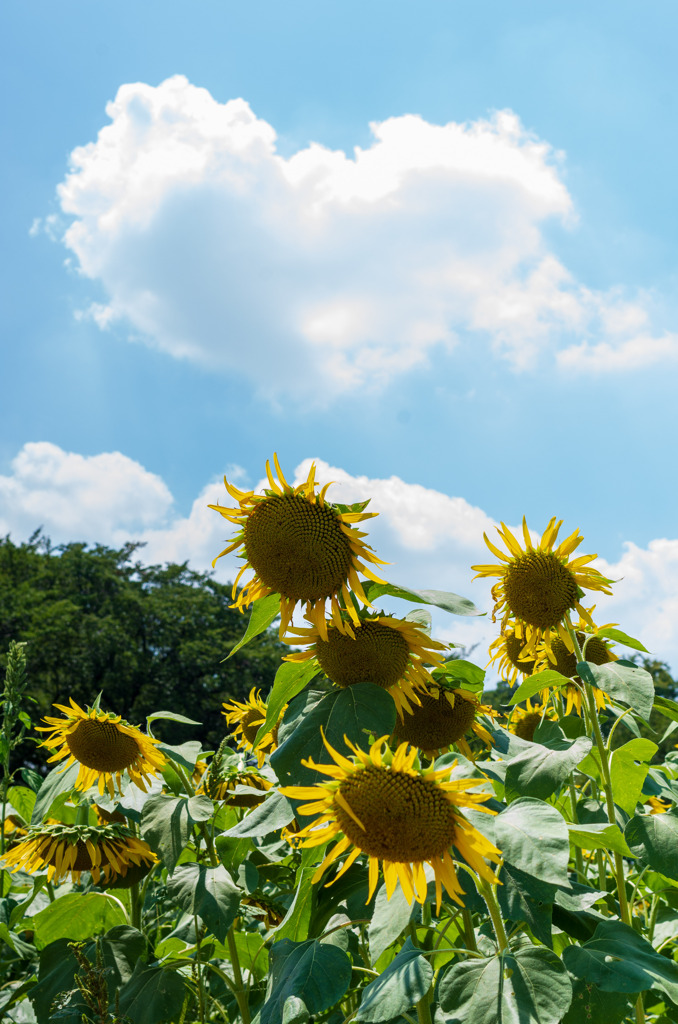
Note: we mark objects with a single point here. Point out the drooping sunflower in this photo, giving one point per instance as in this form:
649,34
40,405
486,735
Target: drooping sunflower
380,804
222,785
507,651
539,585
247,716
105,851
560,655
105,747
524,721
383,650
299,546
443,717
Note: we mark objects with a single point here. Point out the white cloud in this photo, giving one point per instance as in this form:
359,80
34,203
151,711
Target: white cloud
631,354
430,539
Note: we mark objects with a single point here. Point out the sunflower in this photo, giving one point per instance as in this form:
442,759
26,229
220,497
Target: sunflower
220,785
524,721
658,805
442,718
248,716
560,655
382,650
300,546
104,745
507,650
380,804
538,586
105,851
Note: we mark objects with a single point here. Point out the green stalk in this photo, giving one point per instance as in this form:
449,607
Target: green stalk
487,892
240,993
135,901
469,930
199,972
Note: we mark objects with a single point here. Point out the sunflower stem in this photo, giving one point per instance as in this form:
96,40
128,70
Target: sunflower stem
469,930
578,858
135,908
199,972
487,892
603,754
240,993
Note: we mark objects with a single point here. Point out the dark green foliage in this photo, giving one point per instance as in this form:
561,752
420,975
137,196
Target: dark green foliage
150,637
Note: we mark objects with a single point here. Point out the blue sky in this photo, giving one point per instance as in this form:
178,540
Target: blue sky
485,312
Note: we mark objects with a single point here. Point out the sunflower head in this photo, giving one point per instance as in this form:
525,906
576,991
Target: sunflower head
383,805
507,652
539,586
227,783
383,650
524,721
106,851
444,716
245,719
299,546
105,747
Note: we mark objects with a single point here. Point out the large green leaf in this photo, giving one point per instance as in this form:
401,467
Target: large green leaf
654,840
629,684
208,892
440,598
530,986
274,813
264,611
389,919
78,915
290,679
533,837
152,995
666,707
591,1006
297,919
524,898
57,782
628,768
166,824
462,673
532,685
405,981
599,836
356,712
539,770
22,800
315,972
610,633
617,959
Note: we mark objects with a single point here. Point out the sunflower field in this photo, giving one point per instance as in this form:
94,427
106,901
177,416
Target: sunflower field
370,842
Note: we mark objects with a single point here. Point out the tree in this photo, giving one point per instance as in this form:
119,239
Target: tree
150,637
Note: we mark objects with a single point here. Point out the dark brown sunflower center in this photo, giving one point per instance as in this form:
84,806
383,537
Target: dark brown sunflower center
527,726
514,647
250,723
296,548
539,588
102,746
379,654
566,662
435,724
406,818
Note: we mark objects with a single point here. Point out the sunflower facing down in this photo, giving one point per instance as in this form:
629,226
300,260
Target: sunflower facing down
107,852
104,746
507,651
539,585
380,804
251,785
561,657
247,717
443,717
301,547
381,649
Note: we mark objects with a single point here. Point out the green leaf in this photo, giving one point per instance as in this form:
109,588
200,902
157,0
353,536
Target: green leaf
296,921
599,836
22,800
295,1011
152,995
389,919
617,959
186,754
290,679
405,981
530,986
666,707
540,681
465,673
440,598
315,972
357,712
166,825
628,768
57,782
170,716
610,633
630,685
264,611
274,813
591,1006
232,852
78,915
533,837
207,892
654,840
523,898
200,808
539,771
